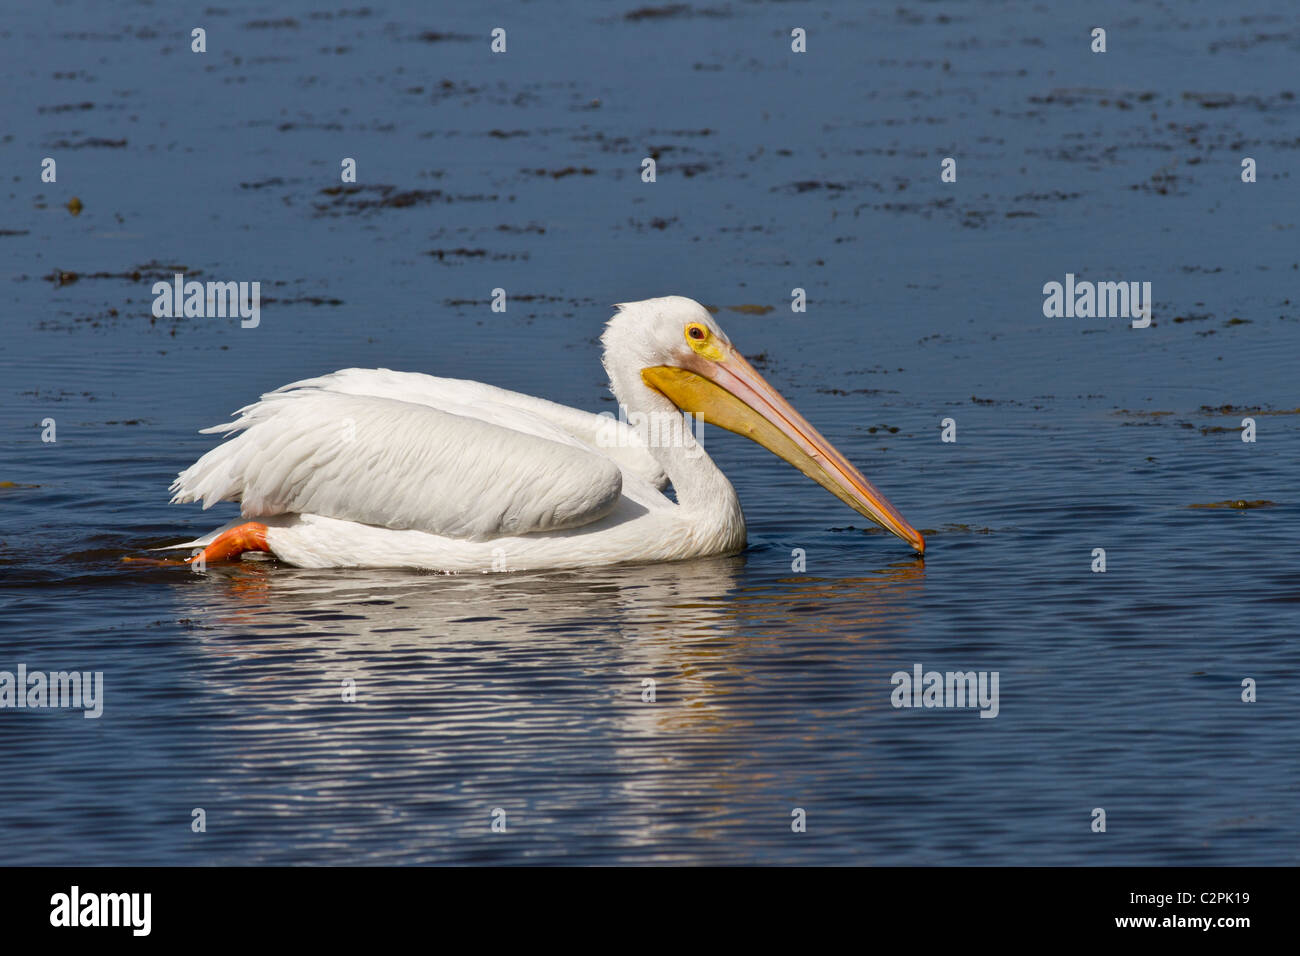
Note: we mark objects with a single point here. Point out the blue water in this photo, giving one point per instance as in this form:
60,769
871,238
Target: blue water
1119,690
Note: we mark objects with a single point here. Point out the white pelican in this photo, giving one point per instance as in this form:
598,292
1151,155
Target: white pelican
381,469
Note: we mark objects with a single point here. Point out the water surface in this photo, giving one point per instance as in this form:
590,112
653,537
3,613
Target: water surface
819,171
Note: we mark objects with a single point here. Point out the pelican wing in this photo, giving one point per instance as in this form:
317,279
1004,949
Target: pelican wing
615,439
476,470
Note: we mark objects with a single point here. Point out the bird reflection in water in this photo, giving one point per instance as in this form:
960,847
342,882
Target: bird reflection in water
530,689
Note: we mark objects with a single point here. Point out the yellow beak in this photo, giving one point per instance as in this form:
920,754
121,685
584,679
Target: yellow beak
729,393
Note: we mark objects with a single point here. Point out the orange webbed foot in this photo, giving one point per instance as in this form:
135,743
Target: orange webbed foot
229,545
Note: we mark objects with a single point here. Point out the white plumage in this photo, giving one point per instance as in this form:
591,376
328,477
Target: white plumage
376,468
365,458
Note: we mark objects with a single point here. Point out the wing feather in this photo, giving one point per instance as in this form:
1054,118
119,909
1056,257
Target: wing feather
614,438
401,464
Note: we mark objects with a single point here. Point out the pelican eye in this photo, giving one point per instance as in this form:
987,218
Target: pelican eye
703,342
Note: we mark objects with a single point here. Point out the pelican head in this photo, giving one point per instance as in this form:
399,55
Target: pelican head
672,348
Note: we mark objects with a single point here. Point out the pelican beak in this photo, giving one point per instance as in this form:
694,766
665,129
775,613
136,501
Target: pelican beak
728,392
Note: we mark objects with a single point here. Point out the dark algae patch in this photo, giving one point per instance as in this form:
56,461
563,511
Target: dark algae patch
1239,504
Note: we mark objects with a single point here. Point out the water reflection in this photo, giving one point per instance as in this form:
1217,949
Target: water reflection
682,614
529,691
